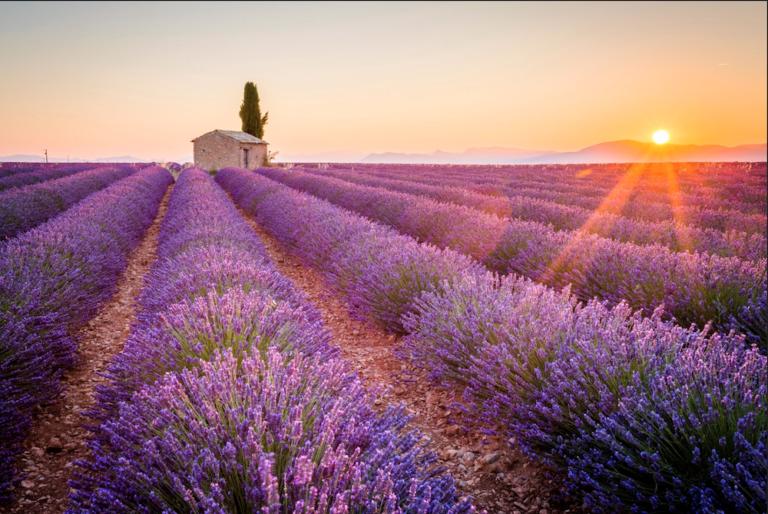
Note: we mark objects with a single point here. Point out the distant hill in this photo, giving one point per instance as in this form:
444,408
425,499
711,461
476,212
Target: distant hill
36,158
339,156
123,158
635,151
490,155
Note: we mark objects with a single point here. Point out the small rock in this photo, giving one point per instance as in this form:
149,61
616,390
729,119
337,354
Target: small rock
355,332
451,430
491,458
36,452
543,511
54,445
27,484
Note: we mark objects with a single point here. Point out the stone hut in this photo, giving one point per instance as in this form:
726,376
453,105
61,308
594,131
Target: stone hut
222,148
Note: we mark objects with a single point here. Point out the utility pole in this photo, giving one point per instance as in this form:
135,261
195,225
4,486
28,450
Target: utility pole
46,156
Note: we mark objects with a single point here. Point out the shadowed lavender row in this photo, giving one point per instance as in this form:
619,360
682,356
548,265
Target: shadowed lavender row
52,280
673,234
41,175
694,288
640,413
12,168
23,209
229,398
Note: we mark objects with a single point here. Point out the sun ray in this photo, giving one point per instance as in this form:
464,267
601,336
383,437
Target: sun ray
619,195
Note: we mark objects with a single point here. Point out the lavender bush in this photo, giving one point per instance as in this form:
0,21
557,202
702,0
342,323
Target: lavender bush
42,174
673,234
381,272
12,168
691,437
261,434
278,422
212,287
52,280
734,196
694,288
619,400
23,209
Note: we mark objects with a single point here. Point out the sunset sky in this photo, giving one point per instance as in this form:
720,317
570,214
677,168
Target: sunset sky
100,80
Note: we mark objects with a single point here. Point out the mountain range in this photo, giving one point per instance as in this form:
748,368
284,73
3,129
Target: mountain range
625,150
123,158
614,151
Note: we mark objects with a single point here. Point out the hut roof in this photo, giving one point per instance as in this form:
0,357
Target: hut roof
241,137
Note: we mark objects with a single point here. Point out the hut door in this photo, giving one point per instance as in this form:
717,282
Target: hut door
245,158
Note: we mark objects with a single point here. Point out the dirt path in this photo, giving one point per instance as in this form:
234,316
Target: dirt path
57,437
500,479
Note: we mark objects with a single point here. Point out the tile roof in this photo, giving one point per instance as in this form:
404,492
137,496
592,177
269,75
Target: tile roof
242,137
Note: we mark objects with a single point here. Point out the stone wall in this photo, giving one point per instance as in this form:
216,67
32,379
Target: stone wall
257,156
214,151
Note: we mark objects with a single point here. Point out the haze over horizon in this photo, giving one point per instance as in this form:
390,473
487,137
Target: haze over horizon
109,79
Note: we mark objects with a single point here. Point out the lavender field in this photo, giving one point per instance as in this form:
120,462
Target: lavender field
606,322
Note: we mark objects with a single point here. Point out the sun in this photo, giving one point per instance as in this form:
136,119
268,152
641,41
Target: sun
660,137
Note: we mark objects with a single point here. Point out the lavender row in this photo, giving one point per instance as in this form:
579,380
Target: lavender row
12,168
694,288
674,235
42,175
23,209
628,198
743,189
742,183
641,413
229,398
52,280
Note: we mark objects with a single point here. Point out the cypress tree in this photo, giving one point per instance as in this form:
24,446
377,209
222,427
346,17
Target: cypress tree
250,112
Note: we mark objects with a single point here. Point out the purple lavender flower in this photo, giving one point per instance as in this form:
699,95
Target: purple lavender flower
264,433
229,398
25,208
52,280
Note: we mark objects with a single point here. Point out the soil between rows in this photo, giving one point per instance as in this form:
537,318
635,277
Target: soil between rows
57,437
500,478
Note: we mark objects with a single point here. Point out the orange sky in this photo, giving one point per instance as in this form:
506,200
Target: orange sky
99,80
